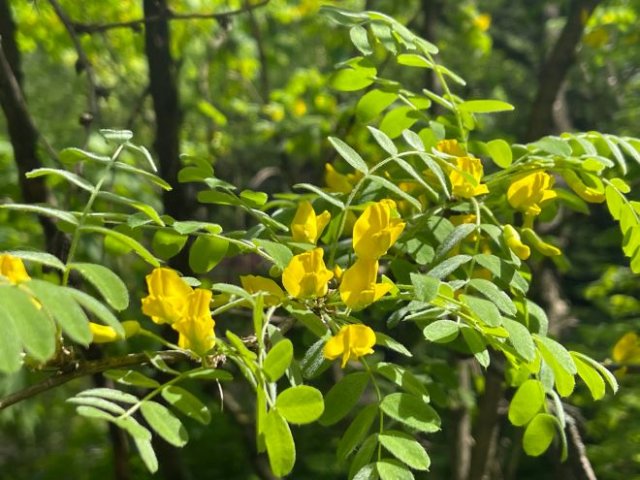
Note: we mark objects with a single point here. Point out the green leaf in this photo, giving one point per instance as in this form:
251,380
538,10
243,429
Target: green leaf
116,136
527,402
350,79
436,169
373,103
477,345
321,193
131,377
457,235
38,257
125,167
539,434
44,211
352,157
35,329
485,106
554,146
64,309
100,403
441,331
482,310
590,377
206,252
126,240
405,448
165,423
280,253
360,39
187,403
367,472
147,454
313,363
393,470
404,378
425,287
10,344
109,394
188,227
97,308
278,360
110,286
142,150
92,412
520,338
495,294
449,266
363,456
279,442
68,176
147,210
392,344
558,352
500,153
413,60
398,120
209,374
559,360
411,411
167,243
133,427
71,156
300,404
254,199
343,396
606,374
392,187
357,431
385,142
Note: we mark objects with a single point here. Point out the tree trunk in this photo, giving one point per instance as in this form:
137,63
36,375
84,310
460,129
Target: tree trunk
555,69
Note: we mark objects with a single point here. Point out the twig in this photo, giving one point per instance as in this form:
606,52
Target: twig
82,369
83,63
89,28
582,462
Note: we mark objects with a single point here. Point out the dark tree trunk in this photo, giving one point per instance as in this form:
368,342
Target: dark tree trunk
22,132
555,68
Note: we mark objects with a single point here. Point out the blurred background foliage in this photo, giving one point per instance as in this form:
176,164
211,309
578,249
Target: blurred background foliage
256,102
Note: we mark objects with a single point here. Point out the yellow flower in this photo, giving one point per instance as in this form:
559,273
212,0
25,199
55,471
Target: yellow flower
482,21
359,288
255,284
375,230
105,334
512,238
337,182
196,326
352,341
306,225
168,295
627,349
530,191
13,269
450,147
465,178
591,194
306,275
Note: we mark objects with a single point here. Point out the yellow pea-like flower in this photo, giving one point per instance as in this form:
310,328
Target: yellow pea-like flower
351,342
627,349
376,230
13,269
358,288
586,193
513,241
546,249
255,284
307,276
196,326
106,334
168,296
466,176
338,182
306,225
529,192
450,147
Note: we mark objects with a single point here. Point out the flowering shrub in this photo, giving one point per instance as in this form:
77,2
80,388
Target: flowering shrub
435,234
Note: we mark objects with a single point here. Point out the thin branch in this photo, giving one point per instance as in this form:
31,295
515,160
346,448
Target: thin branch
90,28
83,64
82,369
582,461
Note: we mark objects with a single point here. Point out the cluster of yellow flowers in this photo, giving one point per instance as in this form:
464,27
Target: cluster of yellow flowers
185,309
